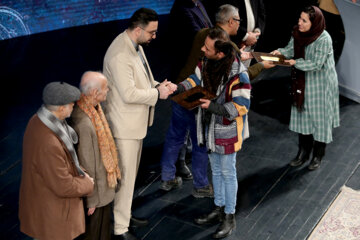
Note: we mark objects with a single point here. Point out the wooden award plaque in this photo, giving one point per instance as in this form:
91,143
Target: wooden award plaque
190,99
275,59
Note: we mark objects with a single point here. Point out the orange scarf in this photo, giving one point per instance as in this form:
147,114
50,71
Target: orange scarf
106,142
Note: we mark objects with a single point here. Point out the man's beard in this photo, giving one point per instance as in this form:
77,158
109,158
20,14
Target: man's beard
144,42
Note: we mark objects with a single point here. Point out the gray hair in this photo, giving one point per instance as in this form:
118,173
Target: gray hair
89,84
225,12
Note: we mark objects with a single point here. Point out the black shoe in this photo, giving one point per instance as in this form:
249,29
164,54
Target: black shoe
168,185
182,170
315,163
125,236
226,227
138,222
301,157
215,216
206,191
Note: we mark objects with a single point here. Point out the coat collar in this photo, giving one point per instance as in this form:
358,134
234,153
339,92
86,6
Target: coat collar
133,51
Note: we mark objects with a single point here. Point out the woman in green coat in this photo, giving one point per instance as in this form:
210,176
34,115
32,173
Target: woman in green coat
314,87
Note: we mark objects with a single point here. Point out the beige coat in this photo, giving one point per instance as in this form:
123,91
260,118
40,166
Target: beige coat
130,102
89,157
50,204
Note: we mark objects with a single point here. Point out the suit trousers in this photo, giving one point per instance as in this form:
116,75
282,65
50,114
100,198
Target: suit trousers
129,151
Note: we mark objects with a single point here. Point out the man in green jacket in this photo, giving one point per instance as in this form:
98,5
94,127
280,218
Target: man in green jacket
227,18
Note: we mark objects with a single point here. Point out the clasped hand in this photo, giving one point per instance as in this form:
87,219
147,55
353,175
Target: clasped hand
252,38
166,88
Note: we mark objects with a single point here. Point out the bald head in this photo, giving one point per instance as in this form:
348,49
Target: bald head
91,80
94,85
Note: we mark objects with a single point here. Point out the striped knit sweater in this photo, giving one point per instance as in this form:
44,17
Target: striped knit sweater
224,134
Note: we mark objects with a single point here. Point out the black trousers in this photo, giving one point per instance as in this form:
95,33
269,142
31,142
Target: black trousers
307,143
98,225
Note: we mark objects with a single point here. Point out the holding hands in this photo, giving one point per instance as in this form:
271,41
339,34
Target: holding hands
166,88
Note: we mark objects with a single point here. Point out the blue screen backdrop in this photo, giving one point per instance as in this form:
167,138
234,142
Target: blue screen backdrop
25,17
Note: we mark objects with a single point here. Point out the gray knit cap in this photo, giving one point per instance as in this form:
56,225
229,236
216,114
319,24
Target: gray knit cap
60,93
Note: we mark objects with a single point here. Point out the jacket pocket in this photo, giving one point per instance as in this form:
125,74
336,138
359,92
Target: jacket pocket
226,134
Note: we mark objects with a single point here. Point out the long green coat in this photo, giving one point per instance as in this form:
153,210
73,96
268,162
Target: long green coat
321,106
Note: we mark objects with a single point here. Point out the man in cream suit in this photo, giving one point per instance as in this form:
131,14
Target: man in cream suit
130,105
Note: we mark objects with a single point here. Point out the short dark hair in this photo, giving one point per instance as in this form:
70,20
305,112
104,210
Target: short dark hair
217,33
222,40
142,17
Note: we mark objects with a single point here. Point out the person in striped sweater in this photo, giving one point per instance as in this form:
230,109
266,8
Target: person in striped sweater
220,122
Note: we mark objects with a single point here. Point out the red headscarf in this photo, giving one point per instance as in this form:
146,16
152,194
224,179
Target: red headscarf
301,40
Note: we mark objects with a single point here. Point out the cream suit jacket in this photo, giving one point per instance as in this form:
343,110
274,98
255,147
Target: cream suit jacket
130,103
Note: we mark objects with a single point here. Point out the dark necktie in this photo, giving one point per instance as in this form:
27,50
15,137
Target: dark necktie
143,61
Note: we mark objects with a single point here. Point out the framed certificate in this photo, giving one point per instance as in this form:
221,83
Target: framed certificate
276,59
190,99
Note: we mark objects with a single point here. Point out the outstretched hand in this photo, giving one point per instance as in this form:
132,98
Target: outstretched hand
291,62
245,55
268,64
275,52
205,103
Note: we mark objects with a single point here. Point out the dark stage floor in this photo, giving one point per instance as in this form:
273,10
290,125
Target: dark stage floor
275,201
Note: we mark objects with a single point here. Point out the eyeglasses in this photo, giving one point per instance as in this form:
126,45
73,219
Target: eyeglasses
238,20
152,33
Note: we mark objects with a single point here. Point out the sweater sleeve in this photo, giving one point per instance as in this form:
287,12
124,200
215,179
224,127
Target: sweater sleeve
315,61
288,51
255,70
218,109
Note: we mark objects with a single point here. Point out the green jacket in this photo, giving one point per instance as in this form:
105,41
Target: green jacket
321,105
